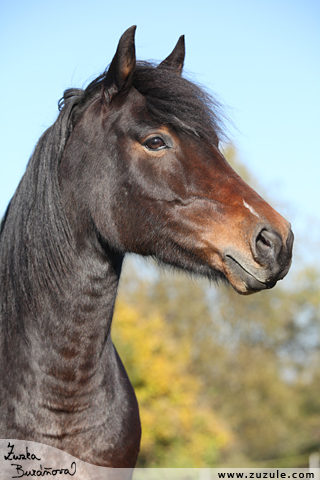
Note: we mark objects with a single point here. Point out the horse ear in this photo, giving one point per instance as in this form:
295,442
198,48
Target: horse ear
121,69
175,60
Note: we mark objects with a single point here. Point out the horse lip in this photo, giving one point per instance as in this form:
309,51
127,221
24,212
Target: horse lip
252,282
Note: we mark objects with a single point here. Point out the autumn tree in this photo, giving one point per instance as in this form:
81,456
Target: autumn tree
179,428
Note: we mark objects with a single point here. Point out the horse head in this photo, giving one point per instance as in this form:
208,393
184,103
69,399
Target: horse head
158,184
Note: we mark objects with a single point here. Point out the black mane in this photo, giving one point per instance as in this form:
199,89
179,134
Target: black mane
171,99
33,229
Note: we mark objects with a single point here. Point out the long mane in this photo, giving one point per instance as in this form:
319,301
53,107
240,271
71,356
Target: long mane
35,243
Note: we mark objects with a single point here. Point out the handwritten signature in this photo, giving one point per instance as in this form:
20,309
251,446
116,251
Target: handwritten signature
38,472
42,472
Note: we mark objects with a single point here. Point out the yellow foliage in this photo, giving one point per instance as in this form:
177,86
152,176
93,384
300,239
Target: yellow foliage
178,431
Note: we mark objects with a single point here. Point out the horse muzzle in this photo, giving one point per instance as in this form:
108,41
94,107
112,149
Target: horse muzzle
267,262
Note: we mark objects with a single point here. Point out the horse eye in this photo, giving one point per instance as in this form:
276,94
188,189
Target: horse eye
155,143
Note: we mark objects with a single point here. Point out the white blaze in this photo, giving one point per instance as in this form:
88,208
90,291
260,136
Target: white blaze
252,210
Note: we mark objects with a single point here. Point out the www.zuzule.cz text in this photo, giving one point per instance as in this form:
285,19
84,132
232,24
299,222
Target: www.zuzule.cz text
261,475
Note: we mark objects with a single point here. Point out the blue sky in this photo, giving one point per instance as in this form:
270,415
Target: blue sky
261,58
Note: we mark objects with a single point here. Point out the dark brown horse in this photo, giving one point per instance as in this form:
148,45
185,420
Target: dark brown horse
132,164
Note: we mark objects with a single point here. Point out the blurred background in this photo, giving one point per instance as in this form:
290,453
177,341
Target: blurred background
221,380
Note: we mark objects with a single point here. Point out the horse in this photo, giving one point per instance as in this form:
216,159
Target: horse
131,165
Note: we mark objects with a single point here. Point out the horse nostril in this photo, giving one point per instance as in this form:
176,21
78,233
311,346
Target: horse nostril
262,237
267,244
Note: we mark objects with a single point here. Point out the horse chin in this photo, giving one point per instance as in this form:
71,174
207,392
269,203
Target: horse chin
244,281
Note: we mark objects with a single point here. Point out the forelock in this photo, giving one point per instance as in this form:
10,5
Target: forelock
172,99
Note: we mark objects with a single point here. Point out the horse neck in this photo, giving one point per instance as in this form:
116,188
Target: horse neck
58,312
77,320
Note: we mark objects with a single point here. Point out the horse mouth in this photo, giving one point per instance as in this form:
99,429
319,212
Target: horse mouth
249,283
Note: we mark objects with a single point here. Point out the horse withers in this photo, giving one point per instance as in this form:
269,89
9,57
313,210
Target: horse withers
132,164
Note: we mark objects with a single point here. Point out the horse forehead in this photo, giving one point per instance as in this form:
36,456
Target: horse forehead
134,104
125,111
